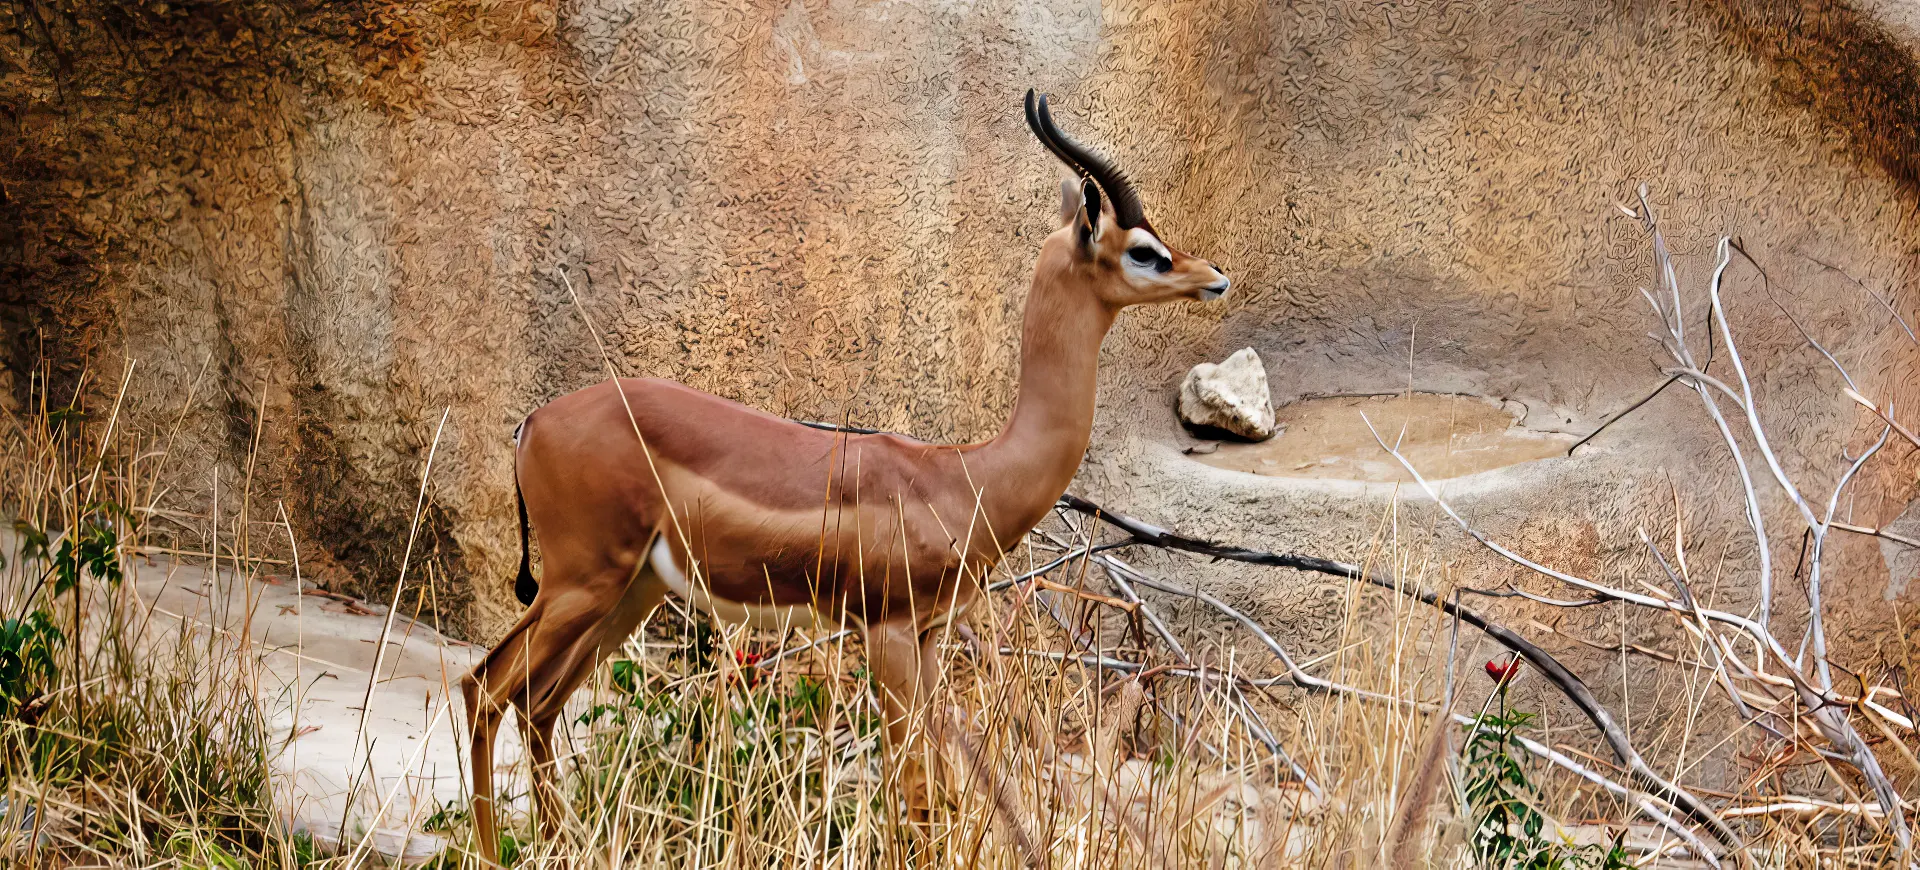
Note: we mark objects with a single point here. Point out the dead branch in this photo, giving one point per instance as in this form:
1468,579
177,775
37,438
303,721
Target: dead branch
1832,722
1570,685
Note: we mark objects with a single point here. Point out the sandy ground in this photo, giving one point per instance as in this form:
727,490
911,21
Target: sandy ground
386,772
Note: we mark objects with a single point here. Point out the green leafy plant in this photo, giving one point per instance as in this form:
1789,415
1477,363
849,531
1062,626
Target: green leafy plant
1508,830
27,662
305,852
93,548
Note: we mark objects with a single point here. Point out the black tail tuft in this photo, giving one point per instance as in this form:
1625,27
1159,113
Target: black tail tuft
524,586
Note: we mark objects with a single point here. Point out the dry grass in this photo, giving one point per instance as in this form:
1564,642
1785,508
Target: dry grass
124,740
142,744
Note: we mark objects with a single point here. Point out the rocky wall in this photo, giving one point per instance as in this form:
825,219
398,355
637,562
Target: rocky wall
328,224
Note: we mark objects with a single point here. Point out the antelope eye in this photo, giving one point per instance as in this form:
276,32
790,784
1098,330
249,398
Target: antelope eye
1146,256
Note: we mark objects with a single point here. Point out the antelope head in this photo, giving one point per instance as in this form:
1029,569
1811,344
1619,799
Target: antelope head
1105,234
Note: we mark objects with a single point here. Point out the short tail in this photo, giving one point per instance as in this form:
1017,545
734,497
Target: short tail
524,586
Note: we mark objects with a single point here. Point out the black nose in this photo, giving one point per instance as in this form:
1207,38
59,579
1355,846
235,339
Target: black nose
1216,267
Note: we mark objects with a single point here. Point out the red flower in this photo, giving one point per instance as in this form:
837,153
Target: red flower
1503,672
749,666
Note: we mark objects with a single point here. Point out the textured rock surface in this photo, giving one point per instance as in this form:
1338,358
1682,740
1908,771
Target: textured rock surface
1231,395
330,223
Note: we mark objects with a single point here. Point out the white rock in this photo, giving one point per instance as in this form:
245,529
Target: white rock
1231,396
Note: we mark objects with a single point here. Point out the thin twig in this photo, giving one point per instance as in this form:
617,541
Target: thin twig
1628,410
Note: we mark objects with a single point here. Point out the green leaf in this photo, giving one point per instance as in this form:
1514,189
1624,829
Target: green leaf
33,540
66,568
626,676
61,416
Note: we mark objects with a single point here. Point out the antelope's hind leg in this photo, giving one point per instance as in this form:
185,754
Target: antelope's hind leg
537,666
487,690
642,595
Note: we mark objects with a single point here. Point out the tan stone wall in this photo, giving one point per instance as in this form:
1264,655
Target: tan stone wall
354,219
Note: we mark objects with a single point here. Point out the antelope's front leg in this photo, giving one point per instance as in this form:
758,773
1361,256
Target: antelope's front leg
905,669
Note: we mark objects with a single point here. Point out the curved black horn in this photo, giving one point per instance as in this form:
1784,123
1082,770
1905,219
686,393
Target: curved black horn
1040,133
1126,203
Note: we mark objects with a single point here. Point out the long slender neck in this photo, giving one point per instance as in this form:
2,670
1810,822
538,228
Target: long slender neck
1024,469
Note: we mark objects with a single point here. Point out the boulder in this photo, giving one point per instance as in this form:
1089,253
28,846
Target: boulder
1230,397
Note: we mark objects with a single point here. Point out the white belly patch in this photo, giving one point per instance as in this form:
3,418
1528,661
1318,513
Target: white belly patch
756,615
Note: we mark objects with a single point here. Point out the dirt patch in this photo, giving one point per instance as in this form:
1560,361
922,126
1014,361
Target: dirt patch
1444,436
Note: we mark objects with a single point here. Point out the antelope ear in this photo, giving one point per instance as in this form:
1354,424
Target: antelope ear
1069,199
1086,221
